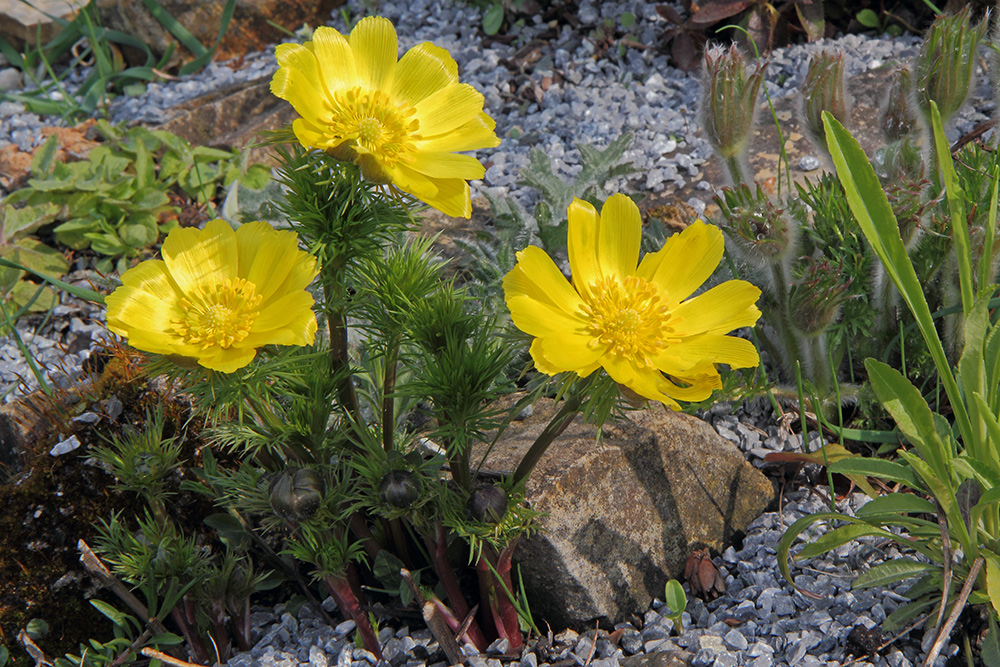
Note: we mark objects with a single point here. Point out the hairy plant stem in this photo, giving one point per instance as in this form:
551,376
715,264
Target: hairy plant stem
333,278
734,165
562,419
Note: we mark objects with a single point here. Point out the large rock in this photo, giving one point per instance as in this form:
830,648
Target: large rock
250,29
22,23
624,513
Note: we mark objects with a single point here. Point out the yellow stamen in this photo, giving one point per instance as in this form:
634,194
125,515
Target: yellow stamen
632,317
374,123
219,315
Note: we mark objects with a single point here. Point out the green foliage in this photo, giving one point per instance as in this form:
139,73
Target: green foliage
19,244
101,50
598,167
955,463
676,601
117,201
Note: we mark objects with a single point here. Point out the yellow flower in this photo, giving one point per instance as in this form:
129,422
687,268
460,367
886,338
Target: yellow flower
402,122
639,324
217,295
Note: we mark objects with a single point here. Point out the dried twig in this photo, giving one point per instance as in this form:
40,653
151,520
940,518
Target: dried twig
168,659
437,625
963,597
92,563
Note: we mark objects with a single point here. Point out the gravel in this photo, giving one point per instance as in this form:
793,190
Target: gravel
567,95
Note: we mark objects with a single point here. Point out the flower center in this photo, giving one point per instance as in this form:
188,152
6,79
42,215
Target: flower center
220,315
631,316
374,123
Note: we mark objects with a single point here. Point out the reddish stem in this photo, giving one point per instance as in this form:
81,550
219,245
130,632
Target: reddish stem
341,591
438,548
502,609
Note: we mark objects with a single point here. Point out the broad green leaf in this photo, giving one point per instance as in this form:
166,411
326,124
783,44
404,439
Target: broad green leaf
493,19
149,199
37,257
869,467
826,454
674,597
993,580
20,222
166,639
145,170
207,154
896,503
839,536
908,409
32,297
117,617
867,18
892,571
906,613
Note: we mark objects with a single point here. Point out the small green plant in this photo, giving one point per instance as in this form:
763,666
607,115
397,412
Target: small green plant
108,74
675,600
117,201
19,244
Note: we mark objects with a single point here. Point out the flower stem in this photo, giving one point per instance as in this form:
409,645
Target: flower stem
558,424
341,591
388,405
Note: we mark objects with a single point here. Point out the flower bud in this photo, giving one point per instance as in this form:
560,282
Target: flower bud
296,495
762,233
400,489
729,100
823,90
814,301
487,504
945,63
899,119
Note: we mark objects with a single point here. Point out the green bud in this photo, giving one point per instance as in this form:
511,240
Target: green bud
729,100
946,62
487,504
400,489
296,495
823,90
899,119
814,301
761,233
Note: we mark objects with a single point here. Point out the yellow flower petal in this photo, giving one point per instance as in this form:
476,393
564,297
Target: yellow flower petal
448,195
423,70
538,277
335,58
375,47
266,256
685,261
721,309
298,80
447,165
197,258
401,122
197,303
540,318
476,133
680,358
448,109
629,321
619,236
582,245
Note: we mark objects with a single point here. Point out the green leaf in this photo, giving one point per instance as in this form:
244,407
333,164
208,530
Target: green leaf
256,177
4,655
149,199
990,651
906,613
117,617
896,503
895,570
909,410
42,163
869,467
627,20
839,536
493,19
993,580
37,257
207,154
166,639
867,18
674,597
145,171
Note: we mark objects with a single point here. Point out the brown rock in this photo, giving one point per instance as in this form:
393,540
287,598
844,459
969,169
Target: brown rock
21,22
15,164
249,30
622,514
232,117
